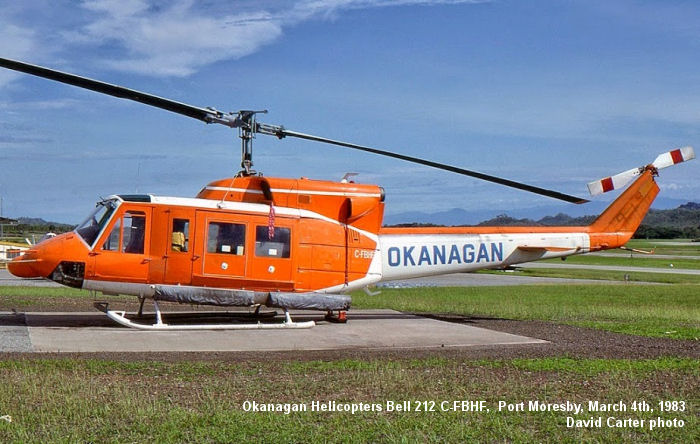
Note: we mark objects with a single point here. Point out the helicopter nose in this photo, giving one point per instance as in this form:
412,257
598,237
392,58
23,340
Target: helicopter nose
26,265
40,260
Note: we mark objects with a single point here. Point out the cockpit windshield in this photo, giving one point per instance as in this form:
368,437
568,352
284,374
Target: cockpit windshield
95,222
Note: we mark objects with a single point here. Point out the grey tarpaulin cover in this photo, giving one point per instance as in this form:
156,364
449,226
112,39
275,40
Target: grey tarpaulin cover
244,298
310,301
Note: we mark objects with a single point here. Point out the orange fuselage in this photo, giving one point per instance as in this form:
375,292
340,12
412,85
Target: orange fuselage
251,233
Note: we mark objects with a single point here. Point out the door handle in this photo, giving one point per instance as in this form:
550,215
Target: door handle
147,260
93,253
194,258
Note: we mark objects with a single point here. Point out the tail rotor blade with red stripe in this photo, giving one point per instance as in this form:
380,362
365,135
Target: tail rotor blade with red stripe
613,182
620,180
673,157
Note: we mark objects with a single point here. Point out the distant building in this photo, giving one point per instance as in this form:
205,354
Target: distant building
10,250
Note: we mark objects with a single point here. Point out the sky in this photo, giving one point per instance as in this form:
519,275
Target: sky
554,93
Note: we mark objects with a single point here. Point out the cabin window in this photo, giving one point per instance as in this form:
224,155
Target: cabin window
132,230
276,245
134,233
226,238
180,235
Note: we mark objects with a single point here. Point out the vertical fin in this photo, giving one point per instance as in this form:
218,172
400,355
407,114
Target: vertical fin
620,220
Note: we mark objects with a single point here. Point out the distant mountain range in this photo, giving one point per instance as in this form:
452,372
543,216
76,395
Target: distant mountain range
458,216
682,221
38,222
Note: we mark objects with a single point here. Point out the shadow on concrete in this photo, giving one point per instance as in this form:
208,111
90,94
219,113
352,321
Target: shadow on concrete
13,319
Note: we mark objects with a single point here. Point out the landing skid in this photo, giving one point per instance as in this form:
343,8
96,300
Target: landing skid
120,318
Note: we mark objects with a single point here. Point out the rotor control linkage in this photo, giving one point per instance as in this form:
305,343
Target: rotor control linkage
247,127
246,123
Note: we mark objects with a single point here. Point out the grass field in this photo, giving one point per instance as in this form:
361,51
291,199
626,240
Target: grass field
634,261
687,252
603,275
69,400
82,399
665,246
648,310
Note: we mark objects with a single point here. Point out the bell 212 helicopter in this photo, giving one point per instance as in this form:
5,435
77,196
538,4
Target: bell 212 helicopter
255,241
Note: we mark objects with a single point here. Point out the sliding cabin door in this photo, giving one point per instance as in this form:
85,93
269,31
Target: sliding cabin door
221,241
243,252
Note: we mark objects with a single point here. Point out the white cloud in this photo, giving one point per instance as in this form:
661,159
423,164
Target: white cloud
176,38
163,38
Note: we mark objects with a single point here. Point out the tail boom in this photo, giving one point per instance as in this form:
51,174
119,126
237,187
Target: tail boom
424,251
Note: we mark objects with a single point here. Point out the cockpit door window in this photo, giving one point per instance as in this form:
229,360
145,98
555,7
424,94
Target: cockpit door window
134,232
128,234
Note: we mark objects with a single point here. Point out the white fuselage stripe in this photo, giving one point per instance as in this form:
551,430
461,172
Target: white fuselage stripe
293,191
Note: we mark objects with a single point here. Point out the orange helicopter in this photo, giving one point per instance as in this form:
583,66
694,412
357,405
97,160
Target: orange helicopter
258,241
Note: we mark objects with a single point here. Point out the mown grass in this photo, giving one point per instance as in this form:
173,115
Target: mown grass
72,400
634,261
659,246
603,275
649,310
665,246
51,298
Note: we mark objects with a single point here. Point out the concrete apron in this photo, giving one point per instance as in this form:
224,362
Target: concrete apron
366,329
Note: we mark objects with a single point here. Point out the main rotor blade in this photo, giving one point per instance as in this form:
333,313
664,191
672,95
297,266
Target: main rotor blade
509,183
203,114
246,120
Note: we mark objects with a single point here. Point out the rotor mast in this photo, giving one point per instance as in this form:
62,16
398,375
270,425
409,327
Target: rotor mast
246,131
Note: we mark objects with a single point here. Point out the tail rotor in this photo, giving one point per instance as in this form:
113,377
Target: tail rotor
620,180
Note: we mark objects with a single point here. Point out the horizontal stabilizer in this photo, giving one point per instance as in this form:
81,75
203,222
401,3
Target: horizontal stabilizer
546,249
620,180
